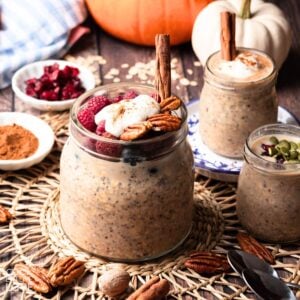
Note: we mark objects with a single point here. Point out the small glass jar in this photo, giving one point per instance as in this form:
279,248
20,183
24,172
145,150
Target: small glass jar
231,109
126,201
268,194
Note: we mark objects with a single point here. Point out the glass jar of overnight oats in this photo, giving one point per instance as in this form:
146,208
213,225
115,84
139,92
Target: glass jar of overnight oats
268,194
133,201
237,97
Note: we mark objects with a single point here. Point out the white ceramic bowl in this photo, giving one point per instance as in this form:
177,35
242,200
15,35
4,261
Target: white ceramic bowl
39,128
36,70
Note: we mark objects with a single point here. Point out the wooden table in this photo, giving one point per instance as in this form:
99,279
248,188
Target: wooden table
117,53
125,57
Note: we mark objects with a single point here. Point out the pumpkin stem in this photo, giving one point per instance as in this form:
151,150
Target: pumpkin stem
245,10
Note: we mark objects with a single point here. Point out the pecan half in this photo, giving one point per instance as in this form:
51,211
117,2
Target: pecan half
207,263
164,122
5,215
251,245
35,277
136,131
170,103
65,270
154,289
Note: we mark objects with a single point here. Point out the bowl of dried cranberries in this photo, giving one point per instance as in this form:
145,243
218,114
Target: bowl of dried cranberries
52,85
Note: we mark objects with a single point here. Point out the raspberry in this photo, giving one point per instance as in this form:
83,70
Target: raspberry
86,118
116,99
101,127
131,94
107,148
95,104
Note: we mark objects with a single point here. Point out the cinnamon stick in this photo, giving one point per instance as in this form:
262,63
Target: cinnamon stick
228,49
163,66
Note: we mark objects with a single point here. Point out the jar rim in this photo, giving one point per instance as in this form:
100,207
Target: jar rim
240,84
81,99
258,161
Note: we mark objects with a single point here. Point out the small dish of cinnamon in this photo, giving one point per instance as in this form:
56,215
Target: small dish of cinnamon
25,140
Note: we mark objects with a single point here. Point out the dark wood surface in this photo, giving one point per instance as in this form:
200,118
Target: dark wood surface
117,53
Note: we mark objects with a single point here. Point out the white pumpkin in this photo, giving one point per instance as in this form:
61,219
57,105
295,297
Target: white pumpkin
266,29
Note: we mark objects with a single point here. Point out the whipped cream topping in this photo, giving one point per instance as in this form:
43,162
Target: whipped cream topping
120,115
243,66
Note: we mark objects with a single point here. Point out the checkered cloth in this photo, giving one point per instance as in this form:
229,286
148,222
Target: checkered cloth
35,30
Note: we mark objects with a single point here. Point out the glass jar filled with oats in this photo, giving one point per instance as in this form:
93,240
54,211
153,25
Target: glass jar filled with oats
125,200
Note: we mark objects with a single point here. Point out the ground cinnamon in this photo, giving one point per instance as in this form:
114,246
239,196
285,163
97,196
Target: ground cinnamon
16,142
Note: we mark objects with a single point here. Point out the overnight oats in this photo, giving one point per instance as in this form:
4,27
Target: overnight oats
268,195
238,96
127,174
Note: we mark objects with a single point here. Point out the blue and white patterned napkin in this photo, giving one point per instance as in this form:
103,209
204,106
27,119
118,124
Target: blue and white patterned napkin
35,30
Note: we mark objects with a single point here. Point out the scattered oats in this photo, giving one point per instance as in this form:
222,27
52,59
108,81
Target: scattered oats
151,82
189,71
174,60
142,76
108,76
133,71
116,79
94,68
193,83
128,76
197,63
177,87
174,74
124,66
114,71
184,81
69,57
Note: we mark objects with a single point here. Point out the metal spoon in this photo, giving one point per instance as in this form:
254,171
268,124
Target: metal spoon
267,286
240,260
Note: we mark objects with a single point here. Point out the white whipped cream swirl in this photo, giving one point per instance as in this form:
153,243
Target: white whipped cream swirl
120,115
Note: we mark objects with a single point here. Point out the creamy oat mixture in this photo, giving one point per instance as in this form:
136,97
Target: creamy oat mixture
126,212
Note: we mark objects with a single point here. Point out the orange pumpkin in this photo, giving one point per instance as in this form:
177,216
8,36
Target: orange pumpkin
138,21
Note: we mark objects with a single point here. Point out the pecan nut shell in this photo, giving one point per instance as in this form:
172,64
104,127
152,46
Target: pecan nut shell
5,215
251,245
35,277
164,122
170,103
65,270
136,131
207,263
154,289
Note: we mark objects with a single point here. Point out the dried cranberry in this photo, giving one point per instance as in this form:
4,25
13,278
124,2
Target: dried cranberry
49,95
55,84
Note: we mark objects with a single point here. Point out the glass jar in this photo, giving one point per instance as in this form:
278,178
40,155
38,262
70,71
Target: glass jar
268,194
231,108
133,203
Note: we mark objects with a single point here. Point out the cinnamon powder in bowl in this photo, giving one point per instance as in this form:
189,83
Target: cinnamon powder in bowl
16,142
25,140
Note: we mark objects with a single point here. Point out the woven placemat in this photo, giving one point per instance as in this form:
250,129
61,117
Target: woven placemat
35,236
